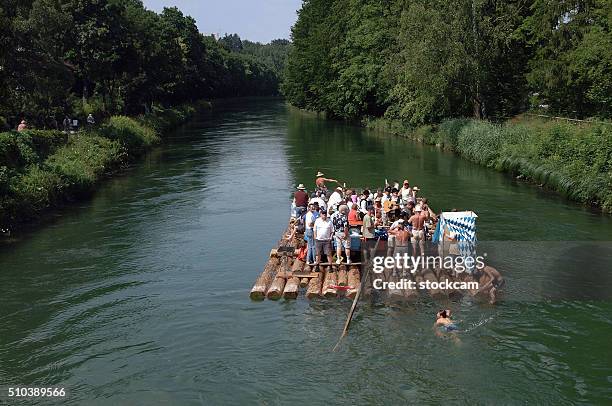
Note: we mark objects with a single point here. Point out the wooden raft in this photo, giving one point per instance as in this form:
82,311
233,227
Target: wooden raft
285,276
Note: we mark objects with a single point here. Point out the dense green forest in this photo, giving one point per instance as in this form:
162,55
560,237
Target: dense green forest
421,61
114,56
139,73
274,54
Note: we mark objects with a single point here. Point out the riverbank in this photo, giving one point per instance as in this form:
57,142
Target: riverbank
574,160
44,169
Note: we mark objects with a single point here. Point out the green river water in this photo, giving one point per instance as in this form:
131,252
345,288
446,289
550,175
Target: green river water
139,296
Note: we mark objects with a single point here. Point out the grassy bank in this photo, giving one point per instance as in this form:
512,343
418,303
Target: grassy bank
572,159
41,169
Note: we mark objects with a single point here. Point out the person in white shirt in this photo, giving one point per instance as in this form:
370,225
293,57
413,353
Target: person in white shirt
405,193
386,195
320,201
323,233
309,220
335,198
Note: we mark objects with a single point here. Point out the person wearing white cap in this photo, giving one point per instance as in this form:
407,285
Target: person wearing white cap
418,228
405,192
412,197
335,199
300,200
318,199
321,179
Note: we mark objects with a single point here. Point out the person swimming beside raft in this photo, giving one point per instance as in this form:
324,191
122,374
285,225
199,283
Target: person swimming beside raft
444,322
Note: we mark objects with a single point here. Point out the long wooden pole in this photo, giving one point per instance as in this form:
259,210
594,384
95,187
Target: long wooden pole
354,305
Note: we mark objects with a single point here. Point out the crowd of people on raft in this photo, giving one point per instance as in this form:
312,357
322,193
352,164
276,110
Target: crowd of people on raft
405,219
325,216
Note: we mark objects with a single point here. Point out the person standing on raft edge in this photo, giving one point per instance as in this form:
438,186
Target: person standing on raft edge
320,181
301,200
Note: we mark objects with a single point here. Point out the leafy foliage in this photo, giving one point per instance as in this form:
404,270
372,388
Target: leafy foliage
109,57
40,169
134,136
575,160
423,61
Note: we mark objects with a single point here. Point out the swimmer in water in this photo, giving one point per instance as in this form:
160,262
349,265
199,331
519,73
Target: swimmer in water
443,323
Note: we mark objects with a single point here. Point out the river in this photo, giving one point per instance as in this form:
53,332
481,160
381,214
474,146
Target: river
140,295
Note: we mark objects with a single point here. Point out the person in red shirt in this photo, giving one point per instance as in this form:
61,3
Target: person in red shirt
301,200
353,216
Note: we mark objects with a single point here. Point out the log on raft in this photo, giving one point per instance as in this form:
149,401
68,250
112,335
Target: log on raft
342,276
297,265
278,285
394,295
447,275
314,286
329,285
262,284
354,280
266,278
418,279
437,294
411,294
304,281
276,289
292,286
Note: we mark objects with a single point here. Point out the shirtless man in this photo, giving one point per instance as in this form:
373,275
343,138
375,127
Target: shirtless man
320,181
443,320
402,239
490,281
418,228
426,208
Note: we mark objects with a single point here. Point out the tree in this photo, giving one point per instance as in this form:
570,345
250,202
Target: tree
572,67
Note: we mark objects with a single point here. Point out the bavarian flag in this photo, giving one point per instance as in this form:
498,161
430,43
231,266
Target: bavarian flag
458,229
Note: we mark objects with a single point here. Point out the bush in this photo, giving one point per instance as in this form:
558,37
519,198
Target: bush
426,134
45,142
165,119
5,176
480,141
34,191
449,132
574,160
17,150
84,160
40,169
133,135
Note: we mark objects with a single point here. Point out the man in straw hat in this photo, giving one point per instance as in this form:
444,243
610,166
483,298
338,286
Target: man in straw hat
321,179
301,200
